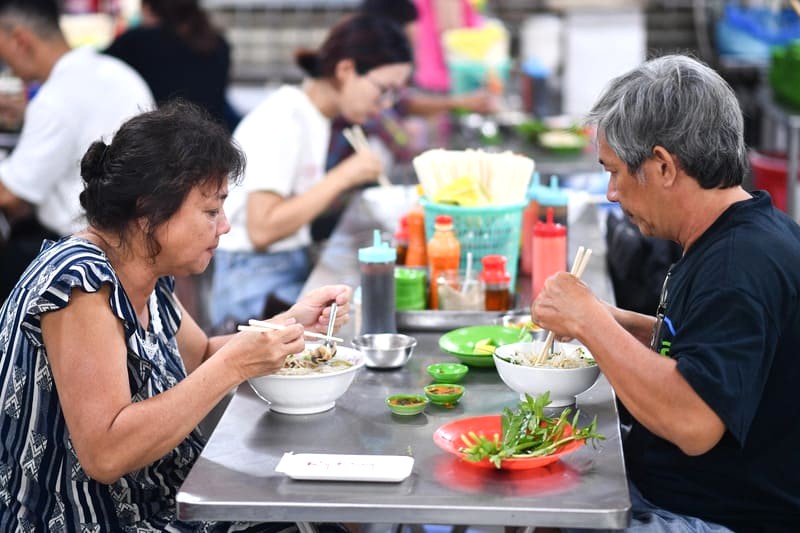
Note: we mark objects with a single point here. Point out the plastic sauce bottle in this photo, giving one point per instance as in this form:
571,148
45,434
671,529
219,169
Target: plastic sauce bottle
376,263
444,253
497,283
401,240
416,255
549,251
530,215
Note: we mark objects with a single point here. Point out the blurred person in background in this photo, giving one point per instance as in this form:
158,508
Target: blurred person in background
179,54
104,375
84,95
393,126
356,73
435,18
711,378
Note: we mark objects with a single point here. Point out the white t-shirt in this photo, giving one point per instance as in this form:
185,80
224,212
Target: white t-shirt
87,96
285,139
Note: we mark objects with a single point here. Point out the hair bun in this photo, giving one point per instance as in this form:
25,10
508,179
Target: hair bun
92,162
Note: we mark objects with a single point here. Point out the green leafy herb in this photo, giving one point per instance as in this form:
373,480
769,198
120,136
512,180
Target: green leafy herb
527,432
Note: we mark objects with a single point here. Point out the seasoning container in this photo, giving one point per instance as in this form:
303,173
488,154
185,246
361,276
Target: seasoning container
530,215
497,283
459,292
549,251
444,253
376,264
416,254
409,286
401,240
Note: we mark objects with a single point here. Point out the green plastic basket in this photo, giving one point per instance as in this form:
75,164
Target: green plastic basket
483,231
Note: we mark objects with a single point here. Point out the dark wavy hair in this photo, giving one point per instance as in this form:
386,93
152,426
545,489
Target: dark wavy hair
154,161
187,20
401,12
369,41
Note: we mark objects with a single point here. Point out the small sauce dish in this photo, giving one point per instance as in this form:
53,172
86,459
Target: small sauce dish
447,372
444,394
407,404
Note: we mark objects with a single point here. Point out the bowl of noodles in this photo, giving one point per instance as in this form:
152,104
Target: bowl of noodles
309,382
568,371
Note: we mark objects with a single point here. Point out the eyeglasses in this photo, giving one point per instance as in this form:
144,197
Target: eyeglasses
388,95
661,311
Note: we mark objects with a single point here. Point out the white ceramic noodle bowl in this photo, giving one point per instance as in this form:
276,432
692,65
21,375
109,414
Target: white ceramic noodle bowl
309,393
563,383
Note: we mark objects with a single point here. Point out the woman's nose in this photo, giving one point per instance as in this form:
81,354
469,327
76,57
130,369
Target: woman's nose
223,224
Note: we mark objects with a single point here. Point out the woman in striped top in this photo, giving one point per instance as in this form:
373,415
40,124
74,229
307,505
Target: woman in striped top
103,375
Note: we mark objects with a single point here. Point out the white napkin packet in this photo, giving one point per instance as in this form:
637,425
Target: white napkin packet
331,467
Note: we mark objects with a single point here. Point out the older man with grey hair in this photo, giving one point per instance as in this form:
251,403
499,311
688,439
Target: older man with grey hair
84,95
709,379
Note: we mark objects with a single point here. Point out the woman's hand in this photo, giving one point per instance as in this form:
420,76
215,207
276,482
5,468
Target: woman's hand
258,353
480,101
313,310
361,167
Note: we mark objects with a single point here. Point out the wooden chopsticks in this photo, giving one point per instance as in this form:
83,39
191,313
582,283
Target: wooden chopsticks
260,325
578,266
358,141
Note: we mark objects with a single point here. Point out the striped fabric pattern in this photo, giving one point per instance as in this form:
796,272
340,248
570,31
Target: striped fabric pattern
42,484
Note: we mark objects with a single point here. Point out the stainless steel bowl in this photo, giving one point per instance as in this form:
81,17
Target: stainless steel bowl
521,318
385,350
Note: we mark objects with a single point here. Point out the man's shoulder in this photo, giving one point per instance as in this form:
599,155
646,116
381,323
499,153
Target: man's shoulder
88,74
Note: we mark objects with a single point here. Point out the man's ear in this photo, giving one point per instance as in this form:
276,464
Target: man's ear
667,165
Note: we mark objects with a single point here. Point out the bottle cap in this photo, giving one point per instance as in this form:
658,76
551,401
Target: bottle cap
444,222
402,229
494,269
535,187
549,229
379,252
552,195
534,68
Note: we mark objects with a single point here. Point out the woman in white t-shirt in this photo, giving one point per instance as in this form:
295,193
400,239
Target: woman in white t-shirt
355,73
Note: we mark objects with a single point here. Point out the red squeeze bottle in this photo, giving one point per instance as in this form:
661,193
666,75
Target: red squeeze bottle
549,251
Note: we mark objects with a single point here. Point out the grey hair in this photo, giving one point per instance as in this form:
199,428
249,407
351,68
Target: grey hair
12,16
682,105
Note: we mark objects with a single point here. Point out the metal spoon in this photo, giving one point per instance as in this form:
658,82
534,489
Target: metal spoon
328,348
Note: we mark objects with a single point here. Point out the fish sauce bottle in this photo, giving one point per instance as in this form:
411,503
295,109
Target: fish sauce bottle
497,281
444,253
376,264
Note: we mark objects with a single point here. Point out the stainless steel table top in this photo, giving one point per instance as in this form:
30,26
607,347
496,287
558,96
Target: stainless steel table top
235,476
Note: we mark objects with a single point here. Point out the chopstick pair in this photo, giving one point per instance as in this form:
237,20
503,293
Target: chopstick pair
260,325
578,266
358,141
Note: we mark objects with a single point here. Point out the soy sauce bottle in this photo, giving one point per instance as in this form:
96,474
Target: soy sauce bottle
376,264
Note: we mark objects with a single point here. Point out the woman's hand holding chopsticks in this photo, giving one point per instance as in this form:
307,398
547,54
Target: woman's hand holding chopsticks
358,141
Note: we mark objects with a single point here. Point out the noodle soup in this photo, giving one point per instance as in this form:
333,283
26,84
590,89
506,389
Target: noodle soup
565,374
306,385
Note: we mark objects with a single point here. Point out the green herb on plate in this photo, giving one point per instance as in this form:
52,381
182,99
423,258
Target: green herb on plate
527,432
